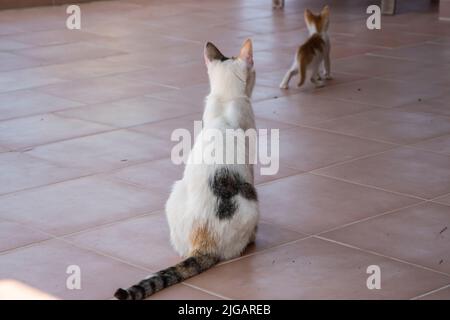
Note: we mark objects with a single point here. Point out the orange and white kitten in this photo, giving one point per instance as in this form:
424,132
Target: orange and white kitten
314,52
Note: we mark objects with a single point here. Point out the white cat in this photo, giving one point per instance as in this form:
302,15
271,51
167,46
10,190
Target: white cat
213,211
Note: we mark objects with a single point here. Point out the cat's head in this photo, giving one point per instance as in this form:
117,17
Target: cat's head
317,23
230,77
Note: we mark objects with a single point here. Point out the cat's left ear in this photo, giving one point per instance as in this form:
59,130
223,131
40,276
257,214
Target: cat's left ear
246,53
211,53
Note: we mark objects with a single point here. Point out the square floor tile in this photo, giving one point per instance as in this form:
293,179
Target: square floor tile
418,234
308,149
129,112
45,128
390,125
303,109
103,152
380,92
79,204
44,267
14,235
405,170
22,171
28,102
321,203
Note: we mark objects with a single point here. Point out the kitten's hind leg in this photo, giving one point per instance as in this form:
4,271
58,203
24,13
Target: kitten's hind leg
315,76
289,74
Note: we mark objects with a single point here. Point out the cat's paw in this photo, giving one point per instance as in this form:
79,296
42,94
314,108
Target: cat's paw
284,86
328,77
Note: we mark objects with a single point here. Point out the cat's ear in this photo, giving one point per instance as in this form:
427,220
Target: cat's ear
211,53
325,15
308,15
246,53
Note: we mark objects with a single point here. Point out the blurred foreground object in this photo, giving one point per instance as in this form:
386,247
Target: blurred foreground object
15,290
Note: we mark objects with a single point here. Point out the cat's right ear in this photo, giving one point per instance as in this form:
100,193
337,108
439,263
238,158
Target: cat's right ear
211,53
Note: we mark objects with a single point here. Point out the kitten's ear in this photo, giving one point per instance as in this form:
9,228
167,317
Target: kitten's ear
246,53
325,15
211,53
308,14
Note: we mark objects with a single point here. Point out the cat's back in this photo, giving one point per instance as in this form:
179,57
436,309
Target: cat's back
315,43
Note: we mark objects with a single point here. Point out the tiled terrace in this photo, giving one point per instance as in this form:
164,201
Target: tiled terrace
85,123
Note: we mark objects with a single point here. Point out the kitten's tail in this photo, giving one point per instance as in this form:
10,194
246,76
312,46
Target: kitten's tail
190,267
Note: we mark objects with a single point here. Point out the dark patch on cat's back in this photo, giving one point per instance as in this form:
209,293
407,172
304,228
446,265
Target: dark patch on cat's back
248,191
225,185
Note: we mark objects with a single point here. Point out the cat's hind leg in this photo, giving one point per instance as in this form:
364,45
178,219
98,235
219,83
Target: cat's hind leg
315,76
289,74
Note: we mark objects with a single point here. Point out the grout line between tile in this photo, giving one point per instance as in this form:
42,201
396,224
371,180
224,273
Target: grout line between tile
346,134
129,164
53,237
430,292
370,186
369,218
381,255
206,291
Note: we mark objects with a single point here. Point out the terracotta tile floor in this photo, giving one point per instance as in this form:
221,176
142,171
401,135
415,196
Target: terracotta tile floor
85,170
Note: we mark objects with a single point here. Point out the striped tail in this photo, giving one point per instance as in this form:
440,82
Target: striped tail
168,277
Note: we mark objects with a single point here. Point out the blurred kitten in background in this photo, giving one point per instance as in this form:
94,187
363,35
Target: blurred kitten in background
313,53
278,4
